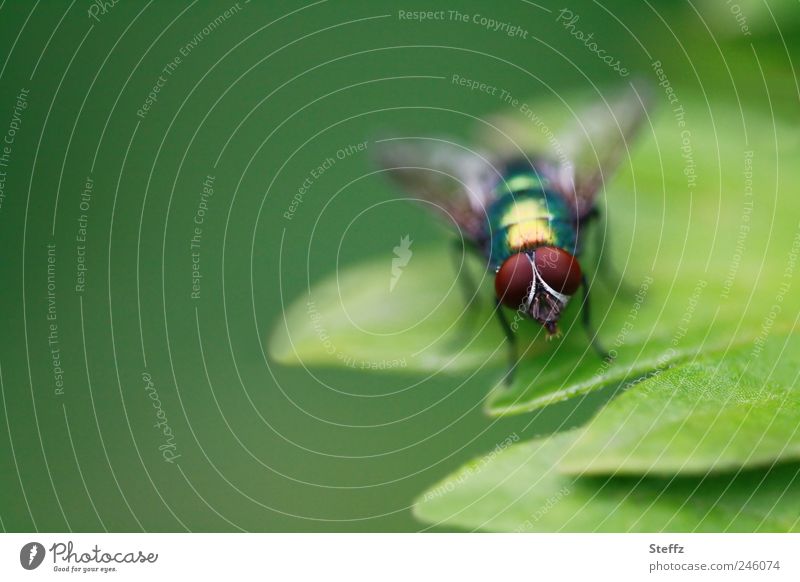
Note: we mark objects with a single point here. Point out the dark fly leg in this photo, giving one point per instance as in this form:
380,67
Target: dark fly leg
469,289
511,338
606,271
586,319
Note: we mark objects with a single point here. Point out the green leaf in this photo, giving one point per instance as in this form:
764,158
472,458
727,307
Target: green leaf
724,410
520,489
420,324
696,243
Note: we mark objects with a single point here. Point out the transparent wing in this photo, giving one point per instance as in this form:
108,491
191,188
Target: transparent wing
583,155
455,181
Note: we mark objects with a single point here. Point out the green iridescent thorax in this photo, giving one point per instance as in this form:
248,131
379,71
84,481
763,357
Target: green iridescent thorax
527,214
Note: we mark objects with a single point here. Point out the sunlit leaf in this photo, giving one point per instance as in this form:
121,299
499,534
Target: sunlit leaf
722,411
520,489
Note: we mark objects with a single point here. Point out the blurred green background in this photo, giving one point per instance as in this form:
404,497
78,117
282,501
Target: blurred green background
262,94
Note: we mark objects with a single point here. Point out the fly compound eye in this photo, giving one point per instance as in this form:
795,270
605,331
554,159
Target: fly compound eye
513,281
559,269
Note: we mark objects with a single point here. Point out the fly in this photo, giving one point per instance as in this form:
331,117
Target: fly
524,208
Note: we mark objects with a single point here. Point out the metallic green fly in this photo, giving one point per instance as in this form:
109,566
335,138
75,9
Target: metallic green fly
524,207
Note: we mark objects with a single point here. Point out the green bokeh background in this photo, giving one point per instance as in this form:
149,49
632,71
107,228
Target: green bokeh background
261,101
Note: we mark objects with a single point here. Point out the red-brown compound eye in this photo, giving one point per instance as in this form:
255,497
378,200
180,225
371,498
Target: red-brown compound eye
559,269
513,281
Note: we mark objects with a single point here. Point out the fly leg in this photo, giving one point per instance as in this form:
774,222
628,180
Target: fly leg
586,318
471,298
606,270
511,338
469,289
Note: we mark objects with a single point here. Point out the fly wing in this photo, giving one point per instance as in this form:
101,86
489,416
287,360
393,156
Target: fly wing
453,181
580,158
